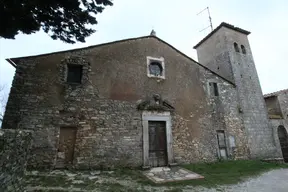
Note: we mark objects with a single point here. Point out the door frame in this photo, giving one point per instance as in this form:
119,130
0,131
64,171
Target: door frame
156,116
58,144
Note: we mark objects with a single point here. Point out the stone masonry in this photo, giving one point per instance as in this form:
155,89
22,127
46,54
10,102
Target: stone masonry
104,107
14,151
218,53
277,105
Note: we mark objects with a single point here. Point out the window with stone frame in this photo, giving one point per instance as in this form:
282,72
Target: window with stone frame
213,88
222,144
155,67
74,73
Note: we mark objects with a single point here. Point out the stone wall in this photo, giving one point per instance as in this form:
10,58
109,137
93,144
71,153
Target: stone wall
277,103
227,115
283,101
216,57
103,108
249,93
14,150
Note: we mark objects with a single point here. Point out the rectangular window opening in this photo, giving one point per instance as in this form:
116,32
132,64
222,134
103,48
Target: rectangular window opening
214,89
74,73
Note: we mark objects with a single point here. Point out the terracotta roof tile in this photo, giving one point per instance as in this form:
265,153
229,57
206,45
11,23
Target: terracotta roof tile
276,93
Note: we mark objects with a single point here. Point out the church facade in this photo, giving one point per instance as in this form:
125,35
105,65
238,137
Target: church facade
140,102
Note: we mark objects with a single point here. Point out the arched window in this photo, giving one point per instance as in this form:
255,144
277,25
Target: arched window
282,133
236,47
243,49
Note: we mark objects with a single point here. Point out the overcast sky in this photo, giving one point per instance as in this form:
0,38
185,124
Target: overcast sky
178,25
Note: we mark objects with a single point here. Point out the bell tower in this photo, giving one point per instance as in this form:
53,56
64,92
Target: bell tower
226,51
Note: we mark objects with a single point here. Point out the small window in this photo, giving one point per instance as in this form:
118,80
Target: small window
243,49
74,73
222,144
155,68
214,89
236,47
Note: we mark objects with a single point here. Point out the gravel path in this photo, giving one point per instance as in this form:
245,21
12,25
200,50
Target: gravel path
272,181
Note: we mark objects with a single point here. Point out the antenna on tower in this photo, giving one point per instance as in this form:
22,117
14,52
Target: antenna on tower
210,19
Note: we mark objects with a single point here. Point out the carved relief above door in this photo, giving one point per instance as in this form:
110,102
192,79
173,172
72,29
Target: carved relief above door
157,131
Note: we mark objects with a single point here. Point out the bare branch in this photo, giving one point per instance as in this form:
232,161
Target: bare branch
3,101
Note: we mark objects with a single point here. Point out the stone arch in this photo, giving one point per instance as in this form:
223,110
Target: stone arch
283,139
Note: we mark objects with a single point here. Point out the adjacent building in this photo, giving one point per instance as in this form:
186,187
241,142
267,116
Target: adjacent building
277,106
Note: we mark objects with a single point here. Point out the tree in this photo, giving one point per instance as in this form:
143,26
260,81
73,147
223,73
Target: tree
3,101
66,20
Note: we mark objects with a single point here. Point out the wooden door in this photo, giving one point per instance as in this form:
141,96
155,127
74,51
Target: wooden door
66,145
283,138
157,143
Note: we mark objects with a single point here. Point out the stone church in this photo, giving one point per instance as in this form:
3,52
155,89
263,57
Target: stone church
140,102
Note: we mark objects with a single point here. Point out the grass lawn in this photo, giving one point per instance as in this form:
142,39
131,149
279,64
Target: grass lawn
129,180
216,173
229,172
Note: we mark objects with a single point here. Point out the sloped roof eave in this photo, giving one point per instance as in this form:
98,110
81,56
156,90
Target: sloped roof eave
223,24
13,61
276,93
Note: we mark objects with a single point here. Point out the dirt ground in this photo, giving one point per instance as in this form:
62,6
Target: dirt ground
110,181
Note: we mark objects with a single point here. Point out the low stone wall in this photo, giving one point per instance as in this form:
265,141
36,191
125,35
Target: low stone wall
14,150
